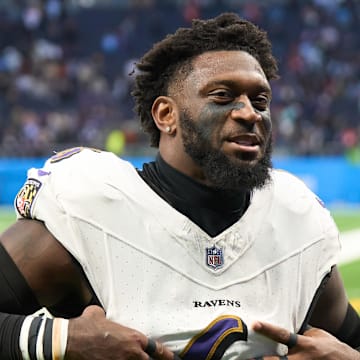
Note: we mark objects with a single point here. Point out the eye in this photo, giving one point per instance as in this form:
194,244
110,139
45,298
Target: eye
261,102
222,96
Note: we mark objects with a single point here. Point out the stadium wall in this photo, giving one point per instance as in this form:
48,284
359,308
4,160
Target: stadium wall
333,179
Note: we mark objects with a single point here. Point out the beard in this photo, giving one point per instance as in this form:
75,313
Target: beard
220,170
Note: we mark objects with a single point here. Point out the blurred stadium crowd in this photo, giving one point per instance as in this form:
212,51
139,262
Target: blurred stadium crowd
65,71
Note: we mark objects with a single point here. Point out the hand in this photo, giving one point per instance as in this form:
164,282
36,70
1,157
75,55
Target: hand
315,344
93,337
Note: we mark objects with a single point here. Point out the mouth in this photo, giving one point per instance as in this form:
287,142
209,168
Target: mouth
249,143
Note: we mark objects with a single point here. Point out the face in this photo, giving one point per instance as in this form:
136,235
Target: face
225,120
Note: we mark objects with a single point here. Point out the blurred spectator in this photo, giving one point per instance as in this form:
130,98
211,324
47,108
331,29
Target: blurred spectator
65,71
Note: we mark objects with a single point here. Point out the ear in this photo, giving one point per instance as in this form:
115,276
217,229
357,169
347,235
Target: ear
165,114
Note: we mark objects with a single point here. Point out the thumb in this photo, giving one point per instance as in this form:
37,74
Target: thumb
94,311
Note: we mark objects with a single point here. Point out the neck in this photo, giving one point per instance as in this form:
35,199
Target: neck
182,162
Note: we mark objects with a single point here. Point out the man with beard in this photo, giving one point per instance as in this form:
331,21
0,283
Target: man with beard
195,255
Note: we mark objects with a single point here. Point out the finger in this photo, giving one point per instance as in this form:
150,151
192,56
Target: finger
292,341
94,311
276,333
157,350
151,347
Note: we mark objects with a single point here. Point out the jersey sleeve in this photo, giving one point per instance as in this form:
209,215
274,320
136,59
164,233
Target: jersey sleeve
71,189
37,199
329,252
71,177
313,221
37,193
65,172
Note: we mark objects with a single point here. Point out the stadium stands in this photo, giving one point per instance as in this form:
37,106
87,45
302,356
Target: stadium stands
65,65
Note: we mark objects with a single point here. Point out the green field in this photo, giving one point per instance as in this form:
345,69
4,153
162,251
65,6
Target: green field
7,216
345,220
350,220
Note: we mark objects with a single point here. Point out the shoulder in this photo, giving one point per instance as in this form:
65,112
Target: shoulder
282,177
72,173
82,156
86,168
292,196
288,188
83,162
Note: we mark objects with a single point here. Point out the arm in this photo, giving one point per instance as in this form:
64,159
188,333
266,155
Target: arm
331,306
334,314
55,280
48,269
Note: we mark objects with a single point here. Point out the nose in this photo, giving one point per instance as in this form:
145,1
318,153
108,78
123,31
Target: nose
244,111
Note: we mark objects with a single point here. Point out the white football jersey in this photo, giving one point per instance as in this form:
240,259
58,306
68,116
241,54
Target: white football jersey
155,270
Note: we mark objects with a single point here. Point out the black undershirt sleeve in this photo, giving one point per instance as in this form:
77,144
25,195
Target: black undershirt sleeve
16,296
349,331
10,327
319,291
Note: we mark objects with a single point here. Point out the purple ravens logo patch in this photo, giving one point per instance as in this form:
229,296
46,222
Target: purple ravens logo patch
214,257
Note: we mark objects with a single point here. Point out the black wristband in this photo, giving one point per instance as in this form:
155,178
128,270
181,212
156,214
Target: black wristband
36,338
32,337
48,340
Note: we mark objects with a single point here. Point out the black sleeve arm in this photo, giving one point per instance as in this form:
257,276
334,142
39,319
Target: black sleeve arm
318,293
349,331
16,296
10,327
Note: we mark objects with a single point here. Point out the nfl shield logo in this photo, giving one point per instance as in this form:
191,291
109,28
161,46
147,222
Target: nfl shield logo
214,257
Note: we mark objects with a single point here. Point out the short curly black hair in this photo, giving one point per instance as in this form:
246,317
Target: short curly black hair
159,67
